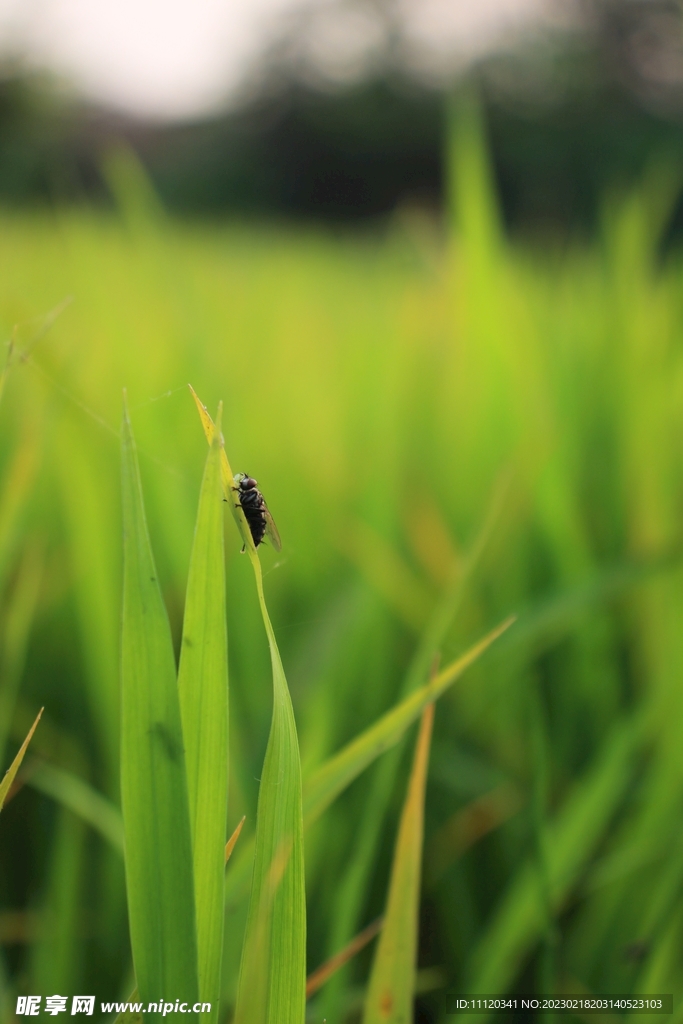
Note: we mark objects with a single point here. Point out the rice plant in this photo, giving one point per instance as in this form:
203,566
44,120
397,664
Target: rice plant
450,428
174,762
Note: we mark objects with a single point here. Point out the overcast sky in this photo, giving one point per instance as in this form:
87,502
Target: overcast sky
180,58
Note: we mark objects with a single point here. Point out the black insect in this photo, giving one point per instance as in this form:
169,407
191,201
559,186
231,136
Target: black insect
256,512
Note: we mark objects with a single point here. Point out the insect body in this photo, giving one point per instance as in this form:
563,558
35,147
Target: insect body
256,512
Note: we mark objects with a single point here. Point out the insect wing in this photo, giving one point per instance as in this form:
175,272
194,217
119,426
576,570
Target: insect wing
271,529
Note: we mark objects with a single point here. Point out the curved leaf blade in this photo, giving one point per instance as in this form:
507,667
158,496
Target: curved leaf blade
272,985
81,799
276,924
392,981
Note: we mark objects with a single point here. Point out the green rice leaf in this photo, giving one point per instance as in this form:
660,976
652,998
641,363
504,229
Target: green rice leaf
321,975
11,772
272,985
57,955
203,692
475,214
232,841
392,981
158,846
89,497
276,924
79,797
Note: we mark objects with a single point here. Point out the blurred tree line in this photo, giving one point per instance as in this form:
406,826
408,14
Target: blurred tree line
568,117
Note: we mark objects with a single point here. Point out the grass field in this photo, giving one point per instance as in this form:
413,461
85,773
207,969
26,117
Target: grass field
449,427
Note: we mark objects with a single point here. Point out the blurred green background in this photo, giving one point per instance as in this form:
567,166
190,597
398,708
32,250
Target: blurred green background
456,412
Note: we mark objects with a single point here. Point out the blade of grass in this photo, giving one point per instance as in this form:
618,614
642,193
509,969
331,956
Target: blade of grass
475,217
51,743
275,941
392,979
159,874
57,956
131,189
659,926
11,772
91,521
232,841
322,974
203,692
79,797
227,476
254,982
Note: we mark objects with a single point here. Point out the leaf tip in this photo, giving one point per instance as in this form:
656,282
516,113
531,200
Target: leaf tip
230,845
217,438
198,402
